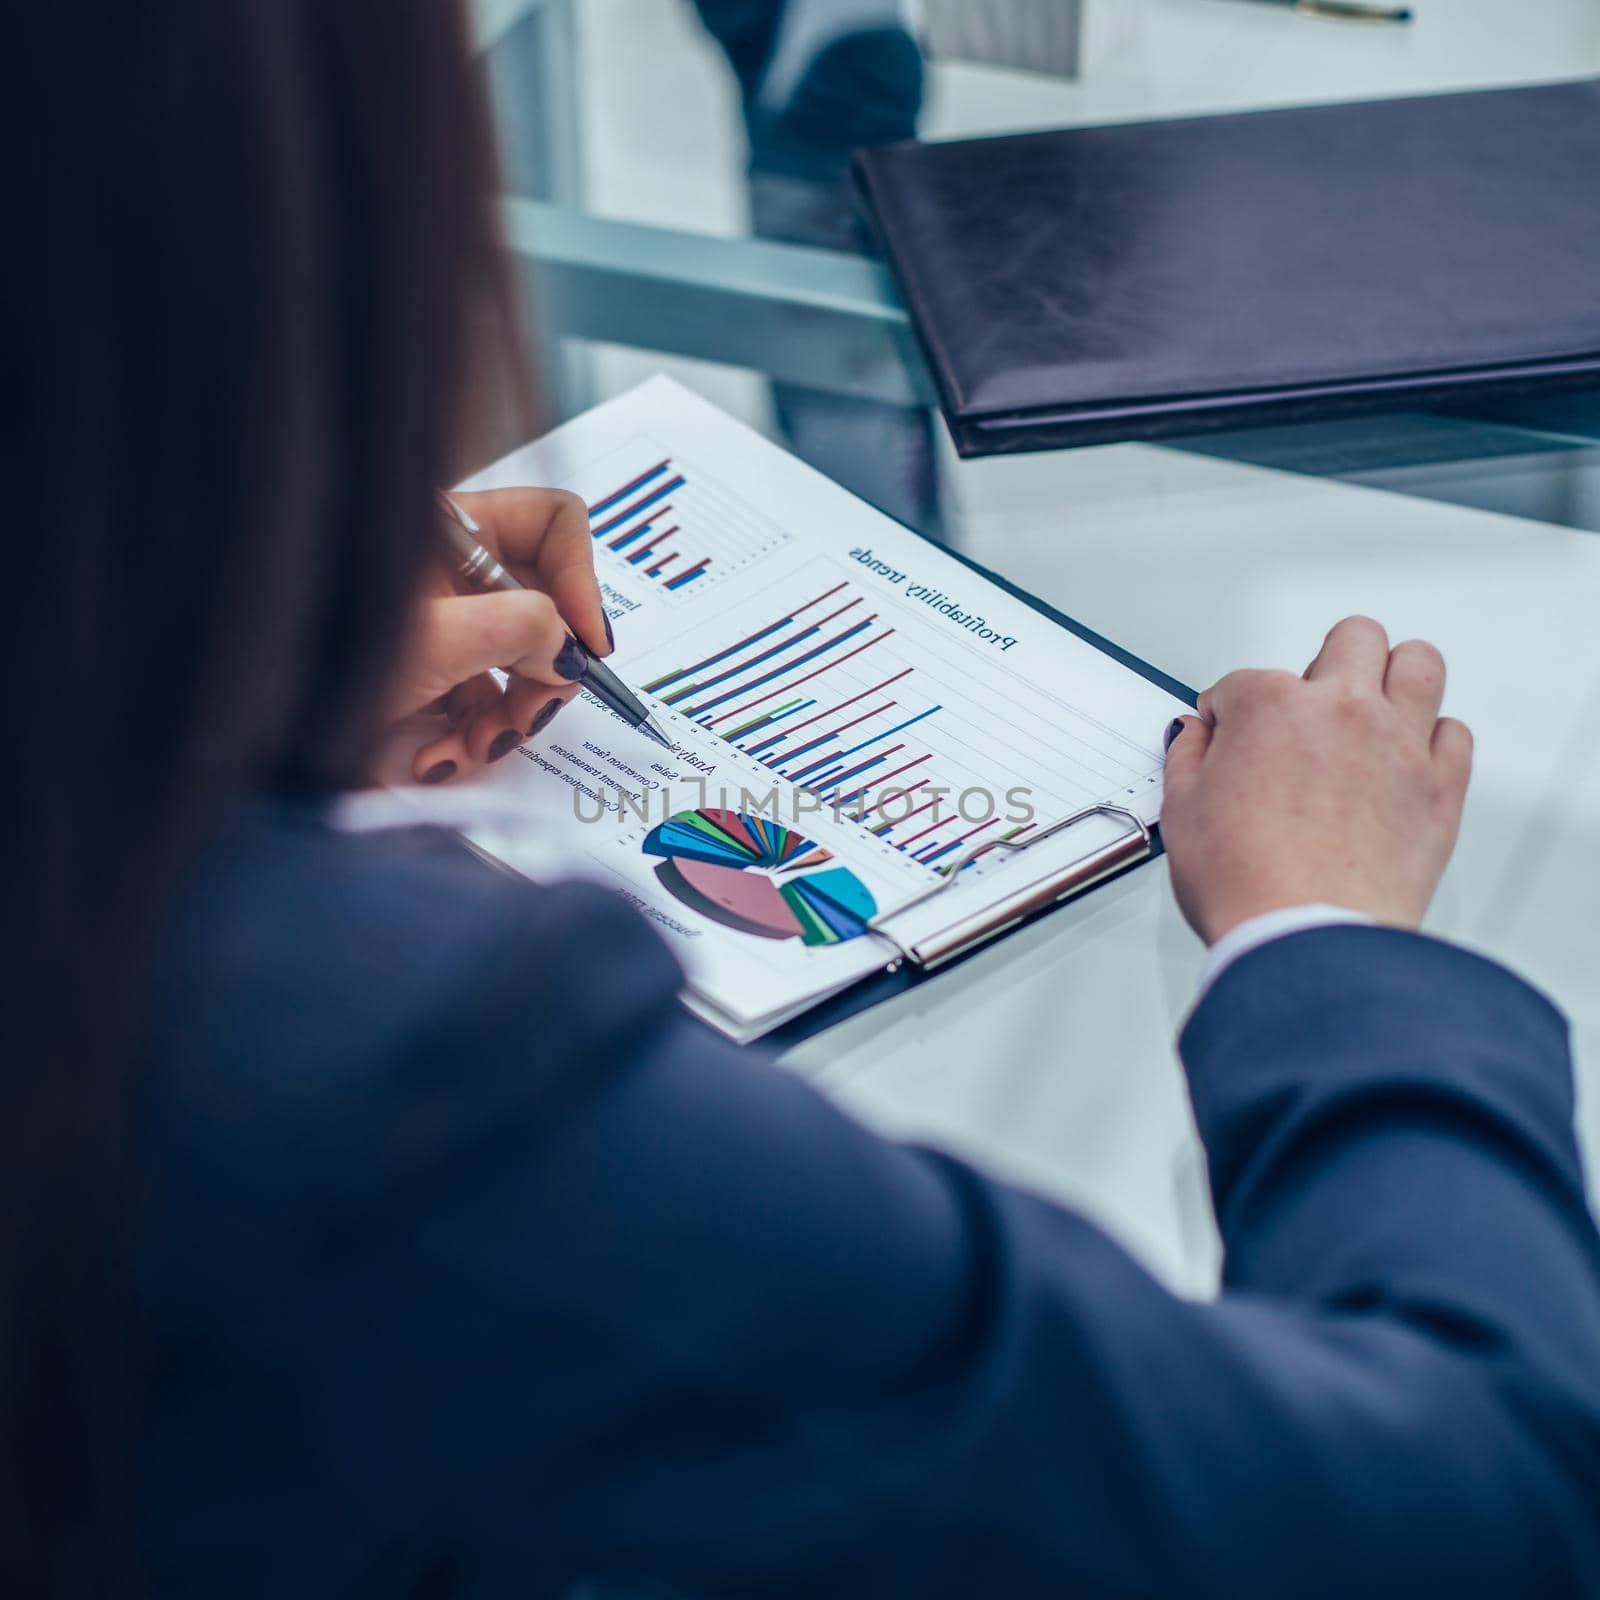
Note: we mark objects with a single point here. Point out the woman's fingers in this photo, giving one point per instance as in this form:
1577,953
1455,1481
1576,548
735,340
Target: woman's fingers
521,631
485,723
1451,745
542,535
1187,739
542,635
466,747
458,636
1240,690
530,706
1414,680
447,756
1356,652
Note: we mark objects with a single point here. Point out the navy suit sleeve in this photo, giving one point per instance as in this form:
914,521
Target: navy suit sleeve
694,1327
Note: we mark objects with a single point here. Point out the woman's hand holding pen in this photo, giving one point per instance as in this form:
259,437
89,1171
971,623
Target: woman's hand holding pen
541,635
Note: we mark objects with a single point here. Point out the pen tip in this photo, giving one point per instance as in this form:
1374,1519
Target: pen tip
648,727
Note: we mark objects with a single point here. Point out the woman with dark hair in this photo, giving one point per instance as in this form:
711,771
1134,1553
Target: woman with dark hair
359,1236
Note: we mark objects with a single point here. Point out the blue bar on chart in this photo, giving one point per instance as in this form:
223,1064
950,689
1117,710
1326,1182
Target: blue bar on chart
652,493
739,644
848,747
633,511
689,576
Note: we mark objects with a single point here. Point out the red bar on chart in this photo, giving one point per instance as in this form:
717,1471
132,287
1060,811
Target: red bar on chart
627,488
790,732
739,644
629,535
749,705
883,777
637,557
884,827
642,504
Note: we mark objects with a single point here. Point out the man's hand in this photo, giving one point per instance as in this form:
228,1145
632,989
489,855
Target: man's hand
1344,786
542,637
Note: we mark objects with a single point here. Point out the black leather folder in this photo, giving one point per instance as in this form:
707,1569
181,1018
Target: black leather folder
1153,279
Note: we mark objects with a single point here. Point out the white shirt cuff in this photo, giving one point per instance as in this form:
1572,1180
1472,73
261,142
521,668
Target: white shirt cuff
1270,925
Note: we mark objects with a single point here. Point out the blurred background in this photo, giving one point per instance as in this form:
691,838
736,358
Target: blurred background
685,162
678,202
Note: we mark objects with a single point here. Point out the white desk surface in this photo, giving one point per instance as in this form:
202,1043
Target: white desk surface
1049,1059
1177,58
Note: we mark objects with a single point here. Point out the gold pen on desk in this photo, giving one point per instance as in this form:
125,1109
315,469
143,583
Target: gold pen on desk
479,570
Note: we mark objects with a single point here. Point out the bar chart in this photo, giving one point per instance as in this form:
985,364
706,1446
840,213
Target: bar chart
853,697
663,524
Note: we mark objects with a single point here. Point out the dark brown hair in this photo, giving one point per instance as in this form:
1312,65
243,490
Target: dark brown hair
245,243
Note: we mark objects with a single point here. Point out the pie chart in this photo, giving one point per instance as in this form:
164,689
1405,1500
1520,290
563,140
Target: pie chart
750,873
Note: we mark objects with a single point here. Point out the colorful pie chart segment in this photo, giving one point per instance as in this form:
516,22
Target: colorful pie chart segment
830,906
753,874
730,839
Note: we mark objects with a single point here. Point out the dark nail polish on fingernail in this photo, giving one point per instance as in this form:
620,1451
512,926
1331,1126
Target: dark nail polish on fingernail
504,743
611,638
1174,728
438,774
546,711
573,660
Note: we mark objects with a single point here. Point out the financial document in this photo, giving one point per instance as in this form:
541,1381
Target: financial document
853,713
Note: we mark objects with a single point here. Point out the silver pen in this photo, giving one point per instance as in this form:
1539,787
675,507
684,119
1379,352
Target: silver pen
1344,10
479,570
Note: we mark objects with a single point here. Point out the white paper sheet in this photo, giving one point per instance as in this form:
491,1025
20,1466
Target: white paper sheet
821,671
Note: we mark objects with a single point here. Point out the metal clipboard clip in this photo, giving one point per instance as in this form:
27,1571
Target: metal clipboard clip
966,933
